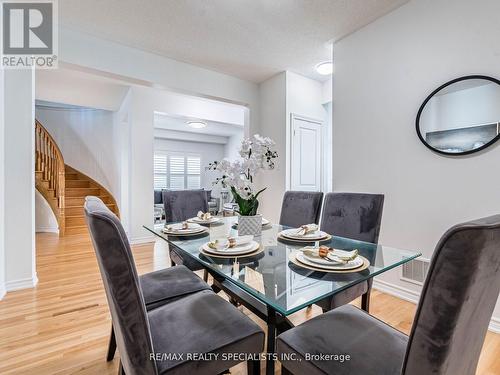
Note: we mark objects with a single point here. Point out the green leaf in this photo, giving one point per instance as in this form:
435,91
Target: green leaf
247,207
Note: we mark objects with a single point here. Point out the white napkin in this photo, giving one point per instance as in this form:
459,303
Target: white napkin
230,242
204,215
315,251
345,256
183,226
240,240
306,229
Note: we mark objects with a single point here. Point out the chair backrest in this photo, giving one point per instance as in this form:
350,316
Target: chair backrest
158,196
300,208
209,195
183,204
457,301
121,283
353,215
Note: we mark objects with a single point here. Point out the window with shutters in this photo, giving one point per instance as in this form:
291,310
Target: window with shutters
160,171
177,171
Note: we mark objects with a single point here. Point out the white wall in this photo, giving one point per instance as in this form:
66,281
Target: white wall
281,96
45,220
327,91
328,149
19,209
232,146
2,188
273,118
305,97
382,75
208,153
122,139
86,140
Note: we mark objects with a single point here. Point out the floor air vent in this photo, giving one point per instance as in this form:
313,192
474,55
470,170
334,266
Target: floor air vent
415,271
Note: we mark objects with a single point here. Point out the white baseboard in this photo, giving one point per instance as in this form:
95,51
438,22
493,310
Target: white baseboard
12,285
141,240
2,291
396,291
47,230
413,297
494,325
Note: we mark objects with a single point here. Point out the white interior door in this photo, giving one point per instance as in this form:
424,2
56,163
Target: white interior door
306,154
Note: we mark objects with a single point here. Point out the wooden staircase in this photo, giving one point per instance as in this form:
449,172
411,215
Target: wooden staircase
78,186
63,187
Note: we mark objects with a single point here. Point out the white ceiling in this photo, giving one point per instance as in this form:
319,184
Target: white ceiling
250,39
178,123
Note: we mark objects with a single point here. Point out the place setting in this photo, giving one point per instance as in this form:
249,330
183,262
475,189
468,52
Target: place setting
327,259
184,228
304,234
204,218
231,247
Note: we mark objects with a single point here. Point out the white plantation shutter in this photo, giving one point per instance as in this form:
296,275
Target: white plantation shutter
177,171
193,179
193,182
160,171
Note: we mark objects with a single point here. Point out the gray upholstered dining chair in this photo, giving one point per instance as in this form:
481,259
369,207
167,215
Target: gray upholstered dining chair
300,208
180,281
357,216
200,322
457,301
181,205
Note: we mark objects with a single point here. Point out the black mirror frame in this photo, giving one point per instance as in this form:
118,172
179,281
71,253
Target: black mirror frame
417,122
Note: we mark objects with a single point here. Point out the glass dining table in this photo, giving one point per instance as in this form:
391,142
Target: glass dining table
269,283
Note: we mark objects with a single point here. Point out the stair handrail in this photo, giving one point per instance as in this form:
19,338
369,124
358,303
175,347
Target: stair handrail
49,160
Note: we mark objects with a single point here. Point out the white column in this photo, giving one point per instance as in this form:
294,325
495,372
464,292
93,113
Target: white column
2,189
141,166
19,179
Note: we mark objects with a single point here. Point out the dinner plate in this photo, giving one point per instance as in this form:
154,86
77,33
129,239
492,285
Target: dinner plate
249,247
176,229
322,261
201,221
292,234
264,221
356,263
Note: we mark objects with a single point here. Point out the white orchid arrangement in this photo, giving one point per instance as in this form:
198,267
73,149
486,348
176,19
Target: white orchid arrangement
256,154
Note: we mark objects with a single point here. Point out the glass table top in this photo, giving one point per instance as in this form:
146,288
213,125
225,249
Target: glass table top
270,276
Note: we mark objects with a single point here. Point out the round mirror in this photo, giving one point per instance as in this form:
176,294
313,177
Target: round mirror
462,116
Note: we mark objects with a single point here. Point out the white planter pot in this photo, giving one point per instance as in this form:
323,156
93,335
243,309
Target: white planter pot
250,225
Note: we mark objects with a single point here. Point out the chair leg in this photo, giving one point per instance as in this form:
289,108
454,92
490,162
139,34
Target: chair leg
284,371
365,301
253,367
205,275
111,346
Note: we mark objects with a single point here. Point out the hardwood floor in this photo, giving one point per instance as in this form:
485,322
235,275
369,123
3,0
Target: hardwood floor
62,325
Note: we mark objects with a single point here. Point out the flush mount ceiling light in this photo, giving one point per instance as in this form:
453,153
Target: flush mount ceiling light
325,68
197,124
